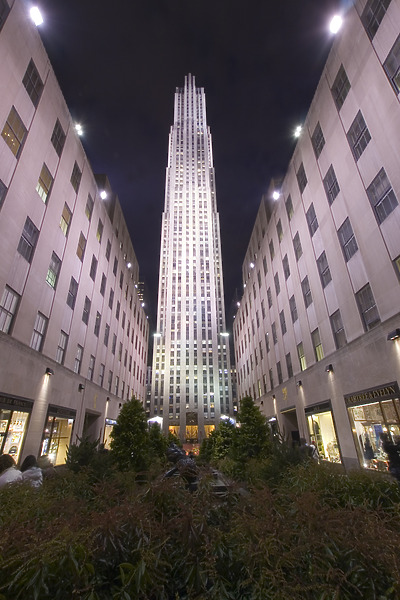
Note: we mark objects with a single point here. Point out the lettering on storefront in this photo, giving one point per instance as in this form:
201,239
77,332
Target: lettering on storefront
391,390
15,403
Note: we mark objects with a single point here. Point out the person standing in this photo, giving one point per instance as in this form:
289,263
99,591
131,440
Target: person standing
8,470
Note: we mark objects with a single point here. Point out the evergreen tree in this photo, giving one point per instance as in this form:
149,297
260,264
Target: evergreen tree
130,437
254,436
158,442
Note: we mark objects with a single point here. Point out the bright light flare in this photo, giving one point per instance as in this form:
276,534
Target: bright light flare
78,129
276,195
103,193
297,131
36,15
335,24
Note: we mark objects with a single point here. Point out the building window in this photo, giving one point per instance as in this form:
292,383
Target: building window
277,284
4,10
340,88
302,357
80,251
118,310
78,359
372,15
115,266
97,324
32,83
271,379
93,268
338,331
289,365
8,309
58,138
76,177
3,192
274,335
265,266
301,178
347,239
323,269
106,335
39,332
392,66
110,378
61,348
279,371
286,268
108,250
381,196
114,344
103,285
293,309
14,132
92,361
305,286
27,242
312,220
271,250
101,374
53,270
289,207
72,292
279,230
367,307
269,297
317,345
111,298
318,140
86,310
358,136
44,183
331,185
298,250
89,207
283,322
396,264
65,221
100,228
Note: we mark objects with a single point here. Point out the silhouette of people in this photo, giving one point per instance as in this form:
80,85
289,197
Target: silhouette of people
8,470
31,472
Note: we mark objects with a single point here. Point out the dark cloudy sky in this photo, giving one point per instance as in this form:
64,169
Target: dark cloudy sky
118,64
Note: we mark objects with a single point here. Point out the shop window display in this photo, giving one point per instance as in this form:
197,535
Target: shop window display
108,427
371,423
56,439
12,432
321,429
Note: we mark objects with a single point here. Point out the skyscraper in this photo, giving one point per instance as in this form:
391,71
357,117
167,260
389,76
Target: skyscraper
191,385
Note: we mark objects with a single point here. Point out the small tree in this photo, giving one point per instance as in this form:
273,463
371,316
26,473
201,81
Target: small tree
130,437
158,442
220,442
253,437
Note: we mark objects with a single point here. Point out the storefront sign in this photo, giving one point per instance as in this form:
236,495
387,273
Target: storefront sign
9,402
390,390
318,408
62,412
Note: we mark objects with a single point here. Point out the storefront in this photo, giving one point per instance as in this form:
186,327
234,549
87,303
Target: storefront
108,427
322,431
57,433
14,417
373,413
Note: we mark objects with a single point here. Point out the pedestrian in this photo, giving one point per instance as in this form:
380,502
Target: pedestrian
314,450
8,470
31,472
393,453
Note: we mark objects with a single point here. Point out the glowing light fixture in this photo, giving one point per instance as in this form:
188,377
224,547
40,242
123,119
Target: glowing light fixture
225,334
143,305
36,15
335,24
297,131
393,335
103,193
79,130
251,265
129,265
49,371
329,368
276,195
299,383
81,387
157,335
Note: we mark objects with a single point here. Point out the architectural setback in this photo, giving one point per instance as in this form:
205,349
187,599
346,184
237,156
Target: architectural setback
317,331
191,380
73,333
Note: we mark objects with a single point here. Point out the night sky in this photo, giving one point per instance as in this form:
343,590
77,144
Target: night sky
118,64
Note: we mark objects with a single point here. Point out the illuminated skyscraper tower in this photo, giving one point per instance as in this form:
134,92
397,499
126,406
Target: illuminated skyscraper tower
191,386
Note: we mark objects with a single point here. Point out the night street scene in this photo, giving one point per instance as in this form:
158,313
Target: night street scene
200,300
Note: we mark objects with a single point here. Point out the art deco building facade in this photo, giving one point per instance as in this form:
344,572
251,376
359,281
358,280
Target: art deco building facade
191,385
315,333
73,334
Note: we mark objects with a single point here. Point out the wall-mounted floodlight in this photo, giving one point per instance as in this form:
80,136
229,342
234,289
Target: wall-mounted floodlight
275,195
297,131
251,265
299,383
225,334
81,387
393,335
329,368
78,129
49,371
103,194
129,265
36,15
335,24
